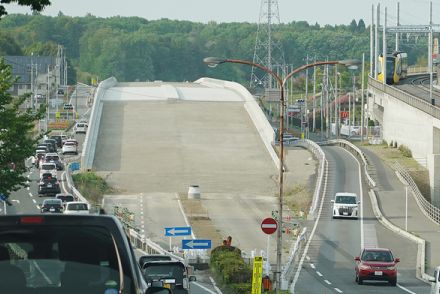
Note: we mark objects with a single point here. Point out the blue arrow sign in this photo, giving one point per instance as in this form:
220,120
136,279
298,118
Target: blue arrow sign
196,244
3,197
177,231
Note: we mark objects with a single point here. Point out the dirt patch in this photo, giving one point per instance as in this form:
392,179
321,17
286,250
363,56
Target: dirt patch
391,155
199,219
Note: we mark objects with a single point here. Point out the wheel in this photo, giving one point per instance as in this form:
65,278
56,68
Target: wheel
393,282
359,279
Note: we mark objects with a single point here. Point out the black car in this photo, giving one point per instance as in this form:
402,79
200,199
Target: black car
173,274
53,143
152,257
58,139
48,185
73,253
52,206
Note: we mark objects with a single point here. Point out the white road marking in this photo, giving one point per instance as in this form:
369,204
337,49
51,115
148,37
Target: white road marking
406,290
28,188
308,258
327,282
312,266
318,273
204,288
42,273
215,286
339,291
30,194
33,200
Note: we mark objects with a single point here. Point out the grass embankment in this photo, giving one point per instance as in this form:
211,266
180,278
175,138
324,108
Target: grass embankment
91,186
403,156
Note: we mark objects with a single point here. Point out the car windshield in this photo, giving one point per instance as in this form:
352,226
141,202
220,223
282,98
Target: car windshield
52,157
77,206
162,271
346,199
48,167
65,198
58,259
377,255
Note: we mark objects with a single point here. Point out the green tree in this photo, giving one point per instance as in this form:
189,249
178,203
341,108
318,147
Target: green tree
36,5
17,140
8,45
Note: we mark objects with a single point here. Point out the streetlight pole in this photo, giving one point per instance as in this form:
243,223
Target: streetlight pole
213,62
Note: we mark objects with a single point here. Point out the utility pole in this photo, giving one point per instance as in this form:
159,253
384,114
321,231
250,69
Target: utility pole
32,81
372,53
398,24
305,101
362,98
47,98
376,42
430,55
384,48
336,102
354,99
314,98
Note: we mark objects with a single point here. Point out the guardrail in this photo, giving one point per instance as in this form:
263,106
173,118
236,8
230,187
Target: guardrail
432,212
406,98
89,145
287,274
323,167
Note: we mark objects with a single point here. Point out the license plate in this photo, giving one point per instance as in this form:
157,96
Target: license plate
52,209
345,213
49,186
378,273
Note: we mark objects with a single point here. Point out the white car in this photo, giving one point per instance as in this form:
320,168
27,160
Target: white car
435,281
70,147
48,167
345,205
80,128
76,207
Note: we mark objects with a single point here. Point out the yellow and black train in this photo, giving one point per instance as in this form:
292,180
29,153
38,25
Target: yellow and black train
396,67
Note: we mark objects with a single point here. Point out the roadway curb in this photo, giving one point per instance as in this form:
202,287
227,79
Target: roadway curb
420,267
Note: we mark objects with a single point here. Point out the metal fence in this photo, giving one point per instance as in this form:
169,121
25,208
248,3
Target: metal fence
432,212
287,274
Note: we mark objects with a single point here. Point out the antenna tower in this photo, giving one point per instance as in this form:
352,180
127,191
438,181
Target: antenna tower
268,52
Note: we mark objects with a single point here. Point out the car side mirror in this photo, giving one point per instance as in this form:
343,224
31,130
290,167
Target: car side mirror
397,260
432,280
192,278
357,258
332,201
359,202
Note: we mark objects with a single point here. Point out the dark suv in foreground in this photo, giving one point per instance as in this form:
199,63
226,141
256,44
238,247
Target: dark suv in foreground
48,185
64,254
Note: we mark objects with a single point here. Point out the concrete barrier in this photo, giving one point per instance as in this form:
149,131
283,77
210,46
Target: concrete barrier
88,152
257,116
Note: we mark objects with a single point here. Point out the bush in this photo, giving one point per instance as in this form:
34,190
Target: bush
405,151
228,265
91,186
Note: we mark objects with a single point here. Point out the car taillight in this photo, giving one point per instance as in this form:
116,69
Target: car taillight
31,220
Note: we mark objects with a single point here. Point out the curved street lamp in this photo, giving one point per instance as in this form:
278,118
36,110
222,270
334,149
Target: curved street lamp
213,62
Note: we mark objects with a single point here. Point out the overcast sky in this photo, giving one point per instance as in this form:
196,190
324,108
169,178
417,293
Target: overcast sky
321,11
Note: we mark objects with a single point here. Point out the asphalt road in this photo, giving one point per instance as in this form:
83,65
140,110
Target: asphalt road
329,263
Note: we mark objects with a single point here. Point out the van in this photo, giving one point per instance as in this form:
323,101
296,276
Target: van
80,128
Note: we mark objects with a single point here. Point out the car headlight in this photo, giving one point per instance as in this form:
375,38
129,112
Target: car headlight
364,267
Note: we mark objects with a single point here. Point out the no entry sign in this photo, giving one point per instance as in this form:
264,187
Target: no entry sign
269,225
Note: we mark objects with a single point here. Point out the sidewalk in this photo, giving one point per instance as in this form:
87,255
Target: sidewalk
391,198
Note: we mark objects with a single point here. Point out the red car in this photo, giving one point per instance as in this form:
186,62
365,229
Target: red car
376,264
